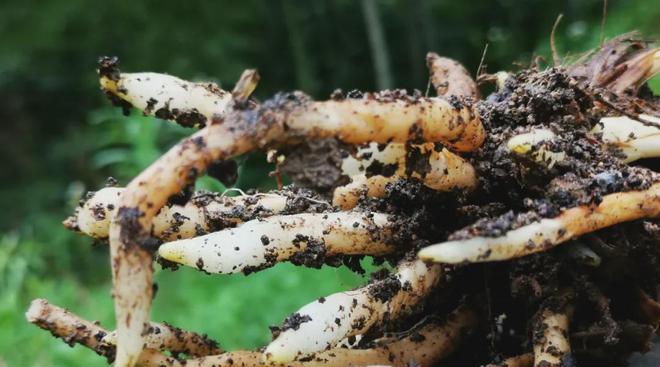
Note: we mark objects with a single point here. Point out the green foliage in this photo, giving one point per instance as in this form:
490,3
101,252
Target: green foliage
60,136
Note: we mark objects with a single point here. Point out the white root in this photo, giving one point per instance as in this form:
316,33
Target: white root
636,139
165,337
546,233
132,268
551,346
167,96
325,322
424,348
261,243
440,170
204,213
532,144
449,77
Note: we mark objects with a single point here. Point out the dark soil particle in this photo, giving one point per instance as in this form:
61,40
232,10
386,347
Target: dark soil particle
316,164
224,171
294,321
383,290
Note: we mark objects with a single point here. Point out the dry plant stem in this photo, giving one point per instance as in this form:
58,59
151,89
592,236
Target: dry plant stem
74,330
539,236
450,78
551,346
634,72
443,171
261,243
142,199
203,213
330,319
165,337
523,360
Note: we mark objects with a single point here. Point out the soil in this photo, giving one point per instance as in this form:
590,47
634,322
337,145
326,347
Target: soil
607,322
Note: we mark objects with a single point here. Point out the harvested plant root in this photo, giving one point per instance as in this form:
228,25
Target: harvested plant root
469,199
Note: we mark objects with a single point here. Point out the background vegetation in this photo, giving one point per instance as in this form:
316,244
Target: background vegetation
60,137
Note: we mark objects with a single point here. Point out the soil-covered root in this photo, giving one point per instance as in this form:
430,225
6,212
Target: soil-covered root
546,233
551,344
73,329
425,347
450,78
635,139
630,139
203,212
385,117
301,238
165,337
374,166
325,322
131,227
162,95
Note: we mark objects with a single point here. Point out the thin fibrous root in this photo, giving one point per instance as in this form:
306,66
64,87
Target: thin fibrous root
373,117
424,348
325,322
74,330
373,167
551,345
204,212
162,95
261,243
449,77
523,360
165,337
546,233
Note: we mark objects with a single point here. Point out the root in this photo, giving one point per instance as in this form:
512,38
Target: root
382,118
430,344
551,344
636,140
74,330
450,78
546,233
203,213
164,96
425,348
165,337
438,169
305,238
325,322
